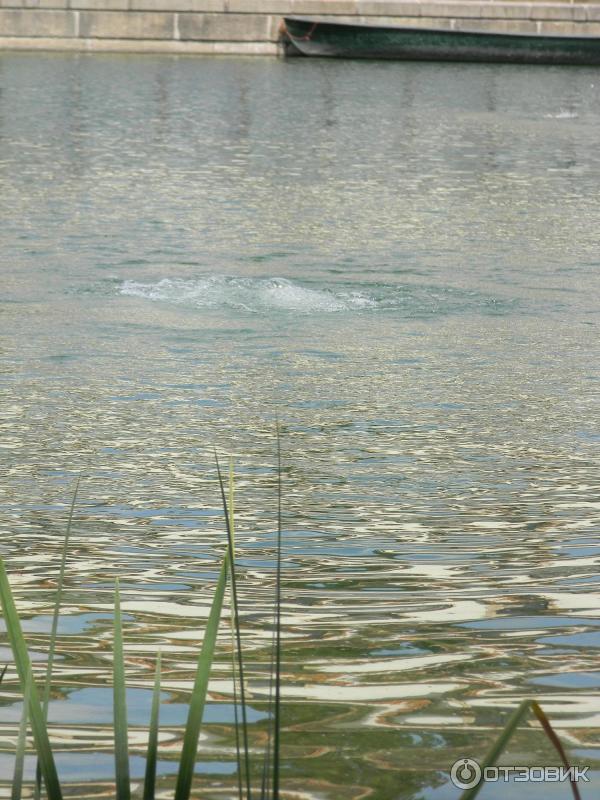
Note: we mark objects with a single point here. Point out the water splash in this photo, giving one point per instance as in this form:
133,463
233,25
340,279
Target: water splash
253,295
273,294
563,114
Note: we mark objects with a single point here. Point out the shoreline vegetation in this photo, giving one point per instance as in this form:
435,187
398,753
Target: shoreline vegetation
268,785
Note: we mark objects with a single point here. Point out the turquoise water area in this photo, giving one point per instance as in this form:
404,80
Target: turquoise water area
400,263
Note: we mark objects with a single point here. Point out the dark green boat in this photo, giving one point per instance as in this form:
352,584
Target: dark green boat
312,37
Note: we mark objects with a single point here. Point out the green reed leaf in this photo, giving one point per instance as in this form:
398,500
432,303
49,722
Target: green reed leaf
498,747
151,756
3,673
238,636
17,785
236,722
119,706
277,710
57,601
196,709
271,761
54,629
23,665
551,734
507,733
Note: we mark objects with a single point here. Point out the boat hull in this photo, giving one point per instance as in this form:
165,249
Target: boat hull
338,40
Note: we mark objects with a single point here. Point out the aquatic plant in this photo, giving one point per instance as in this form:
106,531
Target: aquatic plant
152,752
21,745
35,713
23,666
205,658
54,629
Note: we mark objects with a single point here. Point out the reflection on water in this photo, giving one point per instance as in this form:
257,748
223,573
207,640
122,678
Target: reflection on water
398,261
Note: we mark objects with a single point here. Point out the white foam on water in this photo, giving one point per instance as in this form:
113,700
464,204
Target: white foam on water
563,114
248,294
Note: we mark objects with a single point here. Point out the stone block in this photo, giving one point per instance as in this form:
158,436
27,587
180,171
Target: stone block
462,10
99,5
126,25
592,13
61,4
557,11
497,25
439,23
579,12
224,27
506,10
569,28
198,6
278,7
329,7
400,22
442,23
387,8
34,23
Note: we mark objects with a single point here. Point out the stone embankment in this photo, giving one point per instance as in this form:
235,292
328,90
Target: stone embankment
251,27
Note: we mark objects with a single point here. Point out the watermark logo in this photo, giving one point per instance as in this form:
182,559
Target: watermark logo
467,773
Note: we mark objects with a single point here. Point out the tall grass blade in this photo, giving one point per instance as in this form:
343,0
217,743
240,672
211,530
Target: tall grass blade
151,755
119,706
3,673
265,788
231,505
236,721
498,746
551,734
238,636
196,710
54,630
58,600
205,659
277,710
21,745
23,665
502,741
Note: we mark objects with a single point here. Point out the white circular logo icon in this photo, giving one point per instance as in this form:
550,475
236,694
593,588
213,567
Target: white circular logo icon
465,773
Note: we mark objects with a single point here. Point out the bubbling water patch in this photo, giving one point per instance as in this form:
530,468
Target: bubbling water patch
271,295
562,114
252,295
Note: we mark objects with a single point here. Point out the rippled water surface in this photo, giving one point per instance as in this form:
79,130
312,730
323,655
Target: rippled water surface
400,262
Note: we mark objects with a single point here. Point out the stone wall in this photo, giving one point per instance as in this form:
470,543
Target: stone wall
251,27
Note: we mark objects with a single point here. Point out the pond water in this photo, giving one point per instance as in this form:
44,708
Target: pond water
399,262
